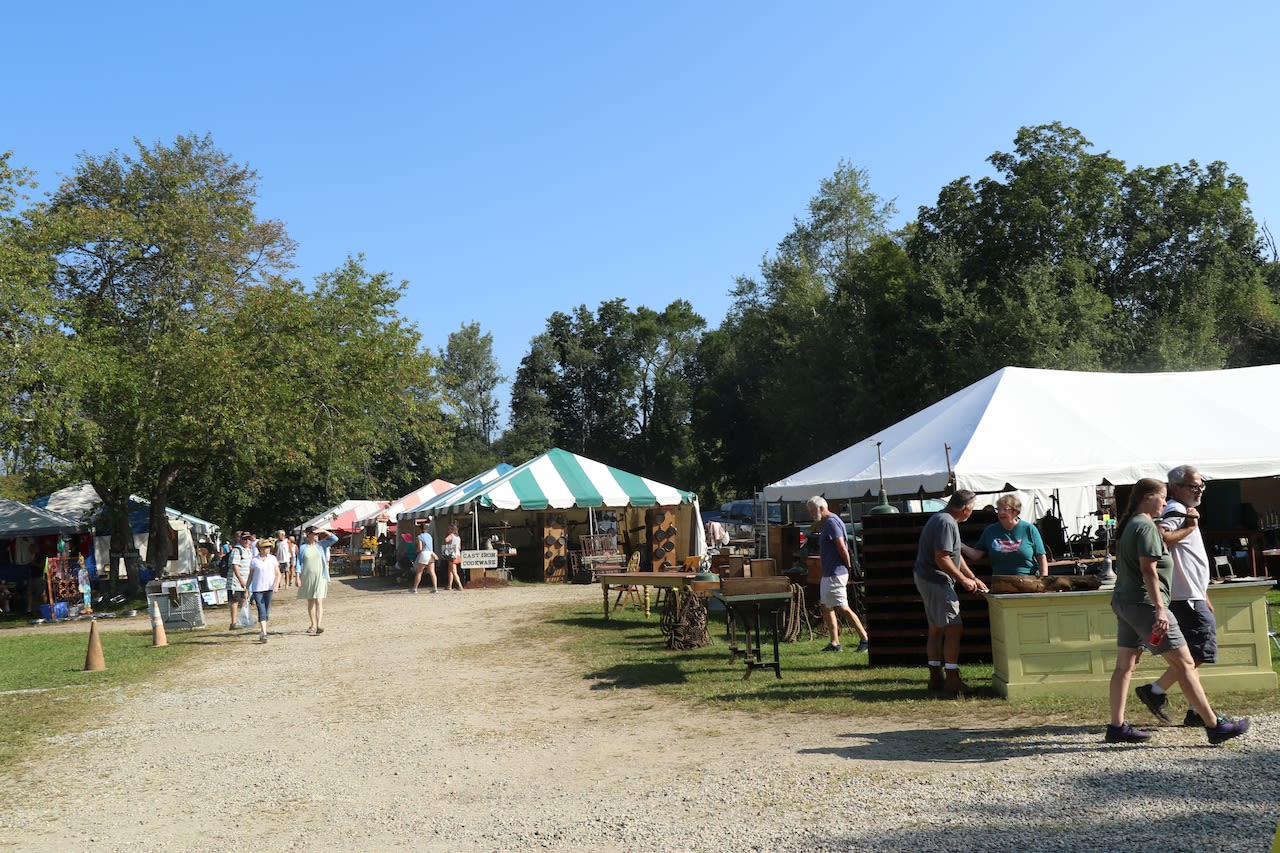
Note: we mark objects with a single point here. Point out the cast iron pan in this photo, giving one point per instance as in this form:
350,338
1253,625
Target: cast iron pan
659,535
560,542
550,540
558,562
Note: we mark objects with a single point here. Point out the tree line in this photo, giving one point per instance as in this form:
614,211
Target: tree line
157,345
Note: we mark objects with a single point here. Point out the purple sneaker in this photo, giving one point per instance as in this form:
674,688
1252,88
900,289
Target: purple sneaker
1125,733
1226,729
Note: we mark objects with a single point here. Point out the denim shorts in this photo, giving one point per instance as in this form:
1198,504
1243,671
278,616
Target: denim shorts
1199,628
1133,628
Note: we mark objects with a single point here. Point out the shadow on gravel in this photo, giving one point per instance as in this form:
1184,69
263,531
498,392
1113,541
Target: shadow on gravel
970,745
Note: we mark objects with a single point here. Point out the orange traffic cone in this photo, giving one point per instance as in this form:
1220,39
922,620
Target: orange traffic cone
93,661
158,636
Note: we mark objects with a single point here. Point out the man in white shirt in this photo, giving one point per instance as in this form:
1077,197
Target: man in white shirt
1189,592
238,574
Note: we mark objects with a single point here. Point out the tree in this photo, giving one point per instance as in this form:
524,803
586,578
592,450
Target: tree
150,253
781,381
186,352
1071,260
28,332
533,421
469,374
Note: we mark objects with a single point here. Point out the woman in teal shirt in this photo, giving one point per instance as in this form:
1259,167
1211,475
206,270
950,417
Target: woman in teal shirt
1012,546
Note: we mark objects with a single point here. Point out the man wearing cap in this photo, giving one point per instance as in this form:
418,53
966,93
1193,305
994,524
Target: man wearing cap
238,574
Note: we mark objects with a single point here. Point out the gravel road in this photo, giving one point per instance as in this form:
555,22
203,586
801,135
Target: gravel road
405,726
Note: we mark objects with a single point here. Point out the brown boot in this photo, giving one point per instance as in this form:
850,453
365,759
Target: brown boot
953,685
935,678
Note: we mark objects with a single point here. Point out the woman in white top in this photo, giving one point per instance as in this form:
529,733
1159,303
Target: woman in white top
453,555
264,580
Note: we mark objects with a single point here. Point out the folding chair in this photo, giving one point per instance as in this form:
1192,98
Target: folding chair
632,593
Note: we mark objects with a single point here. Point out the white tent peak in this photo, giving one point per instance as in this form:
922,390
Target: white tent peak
1025,428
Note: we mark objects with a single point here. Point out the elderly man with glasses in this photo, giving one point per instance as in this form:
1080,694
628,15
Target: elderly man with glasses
1189,598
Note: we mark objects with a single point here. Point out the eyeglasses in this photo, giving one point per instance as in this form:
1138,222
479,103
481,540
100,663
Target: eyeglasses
1195,487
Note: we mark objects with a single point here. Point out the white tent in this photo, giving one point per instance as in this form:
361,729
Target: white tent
1036,430
82,502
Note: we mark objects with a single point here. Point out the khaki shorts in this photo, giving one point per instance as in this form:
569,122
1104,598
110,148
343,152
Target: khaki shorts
834,591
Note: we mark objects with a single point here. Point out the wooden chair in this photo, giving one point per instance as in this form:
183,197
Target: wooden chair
632,593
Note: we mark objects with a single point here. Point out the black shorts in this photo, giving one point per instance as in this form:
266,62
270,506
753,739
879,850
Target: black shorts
1198,627
235,596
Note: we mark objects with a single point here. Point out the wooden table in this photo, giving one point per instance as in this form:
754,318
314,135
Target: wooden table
748,609
662,580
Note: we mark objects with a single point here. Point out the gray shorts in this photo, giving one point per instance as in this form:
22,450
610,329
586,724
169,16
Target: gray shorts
1199,628
1133,628
941,604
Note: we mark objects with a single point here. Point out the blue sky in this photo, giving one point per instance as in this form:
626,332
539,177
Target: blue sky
513,159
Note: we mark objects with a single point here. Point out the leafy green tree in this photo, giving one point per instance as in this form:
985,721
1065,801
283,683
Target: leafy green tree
151,253
28,332
1068,259
469,374
533,421
188,362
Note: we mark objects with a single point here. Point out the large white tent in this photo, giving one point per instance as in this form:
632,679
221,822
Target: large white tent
82,502
1035,430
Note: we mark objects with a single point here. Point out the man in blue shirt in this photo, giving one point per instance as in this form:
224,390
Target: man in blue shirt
833,550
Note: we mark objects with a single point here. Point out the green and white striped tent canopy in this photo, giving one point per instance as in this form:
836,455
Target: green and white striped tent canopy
559,479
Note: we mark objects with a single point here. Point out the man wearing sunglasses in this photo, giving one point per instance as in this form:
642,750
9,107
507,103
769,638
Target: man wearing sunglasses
1189,598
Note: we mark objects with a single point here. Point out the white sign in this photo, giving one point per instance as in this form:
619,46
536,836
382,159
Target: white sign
479,559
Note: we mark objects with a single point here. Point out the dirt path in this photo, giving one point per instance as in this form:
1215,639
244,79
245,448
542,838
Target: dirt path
398,728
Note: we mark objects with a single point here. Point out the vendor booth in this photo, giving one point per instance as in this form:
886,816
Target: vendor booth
1066,440
366,553
541,511
42,561
82,502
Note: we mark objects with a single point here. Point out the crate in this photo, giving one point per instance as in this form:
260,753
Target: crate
753,585
60,611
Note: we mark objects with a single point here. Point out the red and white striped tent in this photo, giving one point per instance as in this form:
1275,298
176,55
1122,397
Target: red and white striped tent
415,498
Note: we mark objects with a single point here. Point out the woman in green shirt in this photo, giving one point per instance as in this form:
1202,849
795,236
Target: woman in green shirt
1141,604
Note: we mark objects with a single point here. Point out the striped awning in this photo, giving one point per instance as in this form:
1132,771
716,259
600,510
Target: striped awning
415,498
460,494
559,479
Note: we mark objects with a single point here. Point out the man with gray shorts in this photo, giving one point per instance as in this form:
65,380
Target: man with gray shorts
1189,591
833,550
939,567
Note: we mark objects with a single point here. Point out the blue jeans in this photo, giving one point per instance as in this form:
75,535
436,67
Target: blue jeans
262,600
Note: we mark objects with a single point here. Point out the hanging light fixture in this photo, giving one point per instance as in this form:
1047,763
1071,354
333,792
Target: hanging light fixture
883,507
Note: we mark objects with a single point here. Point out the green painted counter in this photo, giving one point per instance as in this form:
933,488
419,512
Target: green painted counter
1057,643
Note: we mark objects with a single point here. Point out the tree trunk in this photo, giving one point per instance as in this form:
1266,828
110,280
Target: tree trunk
158,533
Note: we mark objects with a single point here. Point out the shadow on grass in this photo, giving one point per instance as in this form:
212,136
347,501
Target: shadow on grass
633,675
